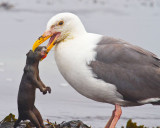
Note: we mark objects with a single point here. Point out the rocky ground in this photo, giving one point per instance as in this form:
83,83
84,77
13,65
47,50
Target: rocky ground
9,121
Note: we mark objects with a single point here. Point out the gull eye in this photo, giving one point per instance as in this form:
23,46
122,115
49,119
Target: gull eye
61,23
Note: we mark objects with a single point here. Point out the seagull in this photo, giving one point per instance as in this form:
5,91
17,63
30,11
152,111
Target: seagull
102,68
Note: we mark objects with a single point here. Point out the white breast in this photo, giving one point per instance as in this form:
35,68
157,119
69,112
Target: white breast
72,58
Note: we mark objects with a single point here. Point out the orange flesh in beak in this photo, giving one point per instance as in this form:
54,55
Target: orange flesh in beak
52,41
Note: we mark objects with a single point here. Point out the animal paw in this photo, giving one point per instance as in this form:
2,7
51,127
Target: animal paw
44,91
48,89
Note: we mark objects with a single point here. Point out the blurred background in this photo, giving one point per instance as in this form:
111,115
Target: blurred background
23,21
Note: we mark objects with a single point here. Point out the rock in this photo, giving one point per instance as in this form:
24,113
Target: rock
73,124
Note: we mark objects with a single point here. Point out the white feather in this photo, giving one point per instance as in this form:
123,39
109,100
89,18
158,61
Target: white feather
149,100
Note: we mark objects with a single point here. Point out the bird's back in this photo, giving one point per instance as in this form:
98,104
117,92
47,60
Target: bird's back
134,71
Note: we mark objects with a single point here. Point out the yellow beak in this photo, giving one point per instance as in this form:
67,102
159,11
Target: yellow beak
39,41
51,45
43,38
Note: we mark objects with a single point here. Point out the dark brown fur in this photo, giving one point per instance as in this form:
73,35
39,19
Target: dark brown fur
30,81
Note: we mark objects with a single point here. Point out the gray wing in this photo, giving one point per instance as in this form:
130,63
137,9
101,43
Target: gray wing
134,71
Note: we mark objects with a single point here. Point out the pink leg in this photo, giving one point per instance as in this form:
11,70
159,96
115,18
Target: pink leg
115,117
